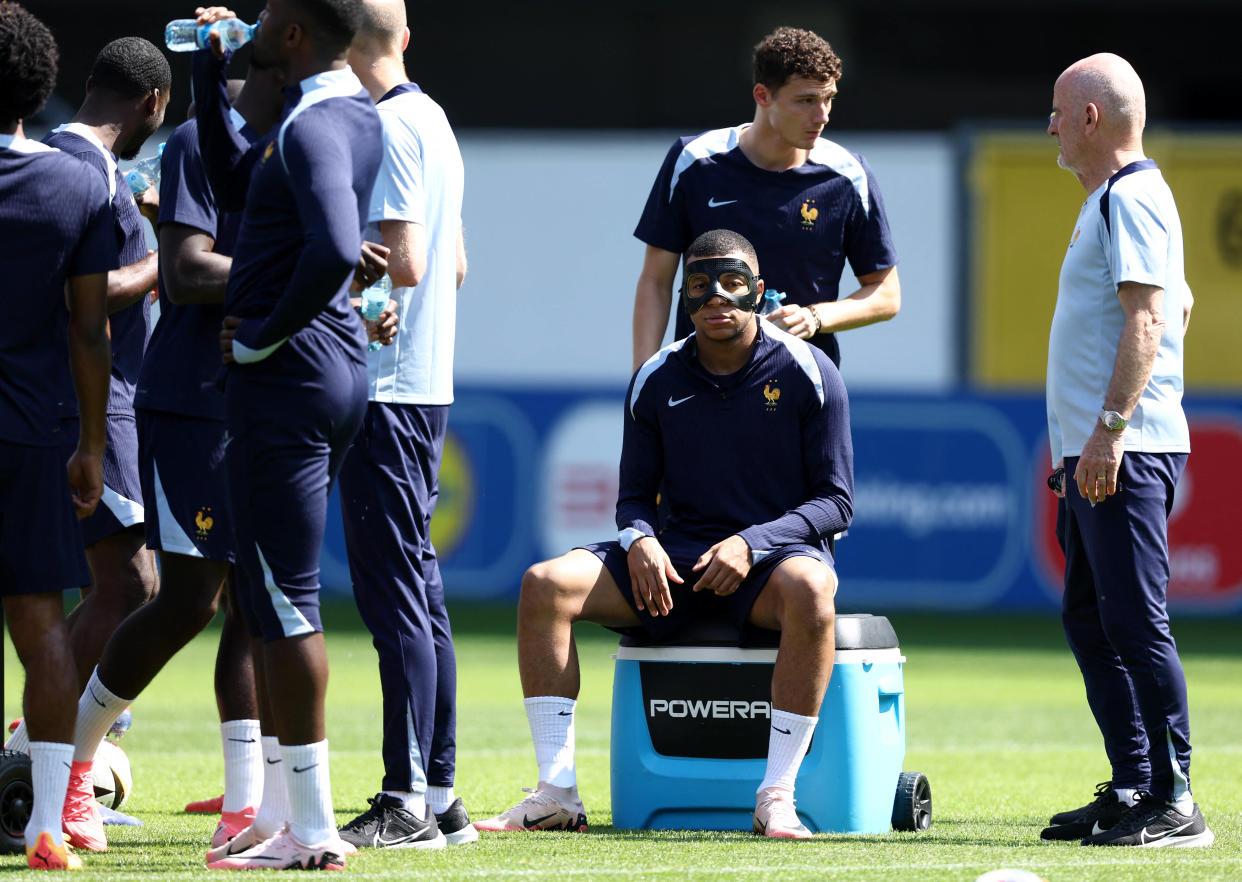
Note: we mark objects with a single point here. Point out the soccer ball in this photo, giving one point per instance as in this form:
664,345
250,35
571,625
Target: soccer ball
112,776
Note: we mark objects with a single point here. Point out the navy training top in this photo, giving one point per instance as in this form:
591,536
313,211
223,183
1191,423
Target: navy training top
305,208
55,223
764,452
183,357
129,326
805,222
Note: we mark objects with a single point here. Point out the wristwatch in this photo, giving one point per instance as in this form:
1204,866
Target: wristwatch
1113,421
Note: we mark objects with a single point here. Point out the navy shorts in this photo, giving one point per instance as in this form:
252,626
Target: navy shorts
290,420
689,605
40,538
181,463
121,505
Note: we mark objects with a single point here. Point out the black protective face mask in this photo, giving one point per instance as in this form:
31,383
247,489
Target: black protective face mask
714,268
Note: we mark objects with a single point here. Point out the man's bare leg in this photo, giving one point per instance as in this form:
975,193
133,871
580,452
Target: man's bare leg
574,587
125,577
797,600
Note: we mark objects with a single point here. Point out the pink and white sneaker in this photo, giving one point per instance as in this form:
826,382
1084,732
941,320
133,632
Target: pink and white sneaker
776,817
245,839
547,808
284,851
232,823
80,818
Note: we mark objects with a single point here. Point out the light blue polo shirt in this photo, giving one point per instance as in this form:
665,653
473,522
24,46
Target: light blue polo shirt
1128,231
421,181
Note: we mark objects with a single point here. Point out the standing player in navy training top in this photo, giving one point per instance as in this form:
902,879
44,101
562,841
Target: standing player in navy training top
295,388
806,203
389,479
47,241
738,543
126,96
181,438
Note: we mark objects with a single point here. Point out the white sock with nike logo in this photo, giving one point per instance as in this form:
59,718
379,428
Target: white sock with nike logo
98,709
788,740
274,803
551,721
310,791
243,764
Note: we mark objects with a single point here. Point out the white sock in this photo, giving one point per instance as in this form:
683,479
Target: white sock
243,764
788,739
440,798
1185,804
49,775
98,709
273,811
415,803
551,721
20,739
310,791
1126,795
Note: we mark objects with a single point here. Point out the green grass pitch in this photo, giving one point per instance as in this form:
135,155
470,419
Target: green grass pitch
995,717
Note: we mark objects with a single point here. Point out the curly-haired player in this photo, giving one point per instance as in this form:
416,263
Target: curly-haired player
59,252
806,203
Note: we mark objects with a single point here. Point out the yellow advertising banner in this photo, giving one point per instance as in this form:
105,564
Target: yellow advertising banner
1023,210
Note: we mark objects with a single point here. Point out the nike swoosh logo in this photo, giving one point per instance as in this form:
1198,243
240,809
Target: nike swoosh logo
527,821
1096,829
1144,838
672,403
783,731
305,768
712,203
97,701
272,762
243,741
226,440
564,713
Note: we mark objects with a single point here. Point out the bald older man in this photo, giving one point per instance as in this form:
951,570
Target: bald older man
394,463
1118,432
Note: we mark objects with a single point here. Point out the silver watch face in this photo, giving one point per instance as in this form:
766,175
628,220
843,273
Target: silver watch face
1113,420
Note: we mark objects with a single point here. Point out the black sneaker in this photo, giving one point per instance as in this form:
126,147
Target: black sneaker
387,824
1096,816
455,824
1154,823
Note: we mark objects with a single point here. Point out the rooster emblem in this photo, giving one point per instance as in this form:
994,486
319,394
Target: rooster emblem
772,395
809,214
204,522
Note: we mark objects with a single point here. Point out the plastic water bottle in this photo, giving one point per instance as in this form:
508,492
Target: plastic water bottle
374,302
187,35
145,173
771,301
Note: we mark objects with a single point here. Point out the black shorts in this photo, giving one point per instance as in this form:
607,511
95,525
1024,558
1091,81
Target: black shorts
689,605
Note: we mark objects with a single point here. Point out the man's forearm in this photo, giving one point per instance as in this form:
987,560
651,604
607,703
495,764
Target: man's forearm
129,283
204,278
90,358
877,300
651,307
1136,356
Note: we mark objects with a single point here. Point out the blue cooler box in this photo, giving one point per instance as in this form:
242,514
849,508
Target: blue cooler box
690,735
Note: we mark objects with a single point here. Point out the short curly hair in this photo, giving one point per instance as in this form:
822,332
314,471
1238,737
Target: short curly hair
28,59
791,52
130,67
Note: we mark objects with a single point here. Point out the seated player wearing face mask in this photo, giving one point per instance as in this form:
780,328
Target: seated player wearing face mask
733,540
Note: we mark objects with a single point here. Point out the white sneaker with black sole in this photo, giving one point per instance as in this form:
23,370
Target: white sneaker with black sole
388,824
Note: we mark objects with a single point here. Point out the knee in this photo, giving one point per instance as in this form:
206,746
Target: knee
809,601
543,589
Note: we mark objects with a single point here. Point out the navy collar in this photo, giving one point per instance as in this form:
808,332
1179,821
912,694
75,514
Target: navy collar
399,89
